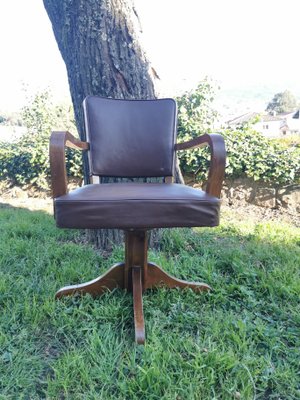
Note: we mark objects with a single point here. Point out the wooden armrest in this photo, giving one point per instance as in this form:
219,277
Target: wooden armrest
58,143
217,160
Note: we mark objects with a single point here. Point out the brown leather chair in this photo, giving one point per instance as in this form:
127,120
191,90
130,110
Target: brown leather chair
133,138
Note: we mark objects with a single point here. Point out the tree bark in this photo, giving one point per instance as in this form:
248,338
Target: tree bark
99,44
98,40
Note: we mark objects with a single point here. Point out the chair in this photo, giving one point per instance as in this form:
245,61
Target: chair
133,139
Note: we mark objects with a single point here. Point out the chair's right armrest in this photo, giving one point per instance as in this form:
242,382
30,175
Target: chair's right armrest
216,173
58,143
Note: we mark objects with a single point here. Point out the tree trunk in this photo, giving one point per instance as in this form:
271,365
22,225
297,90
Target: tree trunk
99,44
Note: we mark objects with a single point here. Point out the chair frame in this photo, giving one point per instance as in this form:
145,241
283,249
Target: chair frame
136,274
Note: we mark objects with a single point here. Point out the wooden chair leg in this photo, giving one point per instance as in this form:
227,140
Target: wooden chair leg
135,275
112,279
157,278
137,291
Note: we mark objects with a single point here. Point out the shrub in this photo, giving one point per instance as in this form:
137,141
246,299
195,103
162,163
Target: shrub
26,161
195,113
249,153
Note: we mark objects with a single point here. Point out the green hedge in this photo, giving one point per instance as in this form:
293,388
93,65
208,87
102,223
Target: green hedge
26,161
249,154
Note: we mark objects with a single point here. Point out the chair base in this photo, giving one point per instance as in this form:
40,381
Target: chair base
136,275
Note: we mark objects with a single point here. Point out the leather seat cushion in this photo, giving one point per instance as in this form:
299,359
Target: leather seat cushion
136,206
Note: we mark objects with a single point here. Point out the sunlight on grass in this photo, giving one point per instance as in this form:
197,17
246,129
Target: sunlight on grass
239,341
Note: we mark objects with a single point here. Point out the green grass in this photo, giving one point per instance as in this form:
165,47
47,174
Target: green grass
241,341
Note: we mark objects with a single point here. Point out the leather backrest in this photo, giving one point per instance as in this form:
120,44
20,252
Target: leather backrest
130,138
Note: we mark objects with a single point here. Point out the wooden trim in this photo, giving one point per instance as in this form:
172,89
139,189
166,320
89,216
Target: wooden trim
217,162
113,278
58,143
137,292
157,277
136,249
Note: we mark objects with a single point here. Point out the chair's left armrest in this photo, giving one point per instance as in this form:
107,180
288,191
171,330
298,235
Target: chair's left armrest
58,143
217,161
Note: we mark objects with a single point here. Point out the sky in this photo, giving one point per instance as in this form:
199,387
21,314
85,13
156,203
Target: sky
236,42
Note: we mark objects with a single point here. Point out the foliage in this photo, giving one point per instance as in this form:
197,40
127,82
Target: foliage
26,161
41,116
283,102
289,141
239,341
195,113
249,153
195,117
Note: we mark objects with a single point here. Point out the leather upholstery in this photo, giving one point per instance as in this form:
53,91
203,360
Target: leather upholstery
136,206
130,138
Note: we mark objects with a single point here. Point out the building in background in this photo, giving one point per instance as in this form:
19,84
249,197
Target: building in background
270,125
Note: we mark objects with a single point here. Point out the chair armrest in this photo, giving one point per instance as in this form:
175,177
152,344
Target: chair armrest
58,143
217,161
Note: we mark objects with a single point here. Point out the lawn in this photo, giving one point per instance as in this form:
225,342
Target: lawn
241,341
